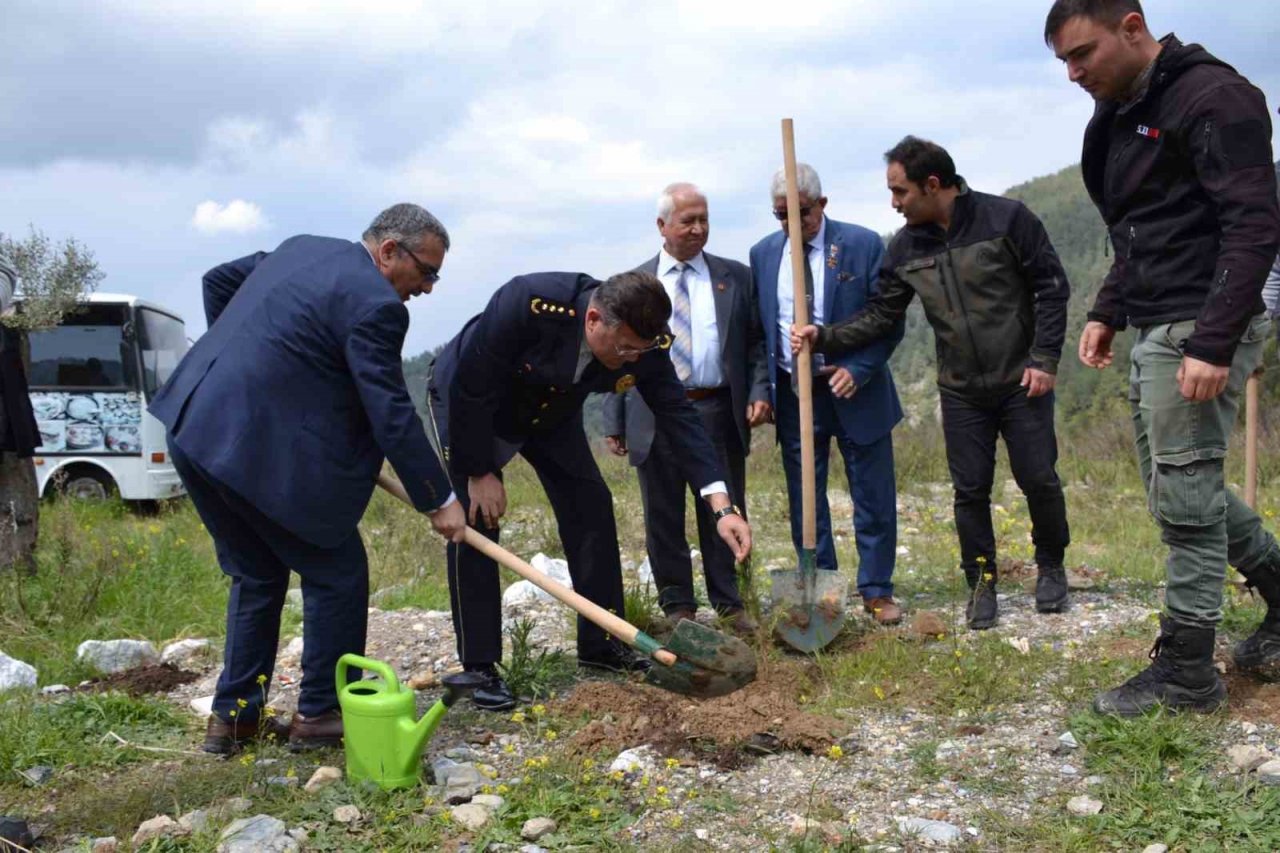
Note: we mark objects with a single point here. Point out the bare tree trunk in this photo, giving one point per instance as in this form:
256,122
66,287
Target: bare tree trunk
19,510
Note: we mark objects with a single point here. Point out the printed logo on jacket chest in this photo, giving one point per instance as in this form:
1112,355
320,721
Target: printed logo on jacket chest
1148,132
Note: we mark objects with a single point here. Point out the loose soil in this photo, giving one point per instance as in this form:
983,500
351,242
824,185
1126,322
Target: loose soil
1251,700
159,678
766,715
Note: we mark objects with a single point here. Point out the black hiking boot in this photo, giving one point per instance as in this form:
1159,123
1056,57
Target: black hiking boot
1051,589
1260,654
982,611
1181,676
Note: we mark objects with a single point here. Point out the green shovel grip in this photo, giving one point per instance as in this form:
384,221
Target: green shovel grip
387,674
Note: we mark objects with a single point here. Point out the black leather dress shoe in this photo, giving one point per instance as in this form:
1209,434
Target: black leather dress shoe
616,659
494,695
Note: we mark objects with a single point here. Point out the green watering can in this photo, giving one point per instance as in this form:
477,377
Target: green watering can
382,740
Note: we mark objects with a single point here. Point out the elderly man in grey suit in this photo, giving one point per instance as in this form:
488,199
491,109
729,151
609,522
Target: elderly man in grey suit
718,353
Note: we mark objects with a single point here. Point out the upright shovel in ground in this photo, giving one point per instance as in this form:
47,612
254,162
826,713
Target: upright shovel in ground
695,661
808,605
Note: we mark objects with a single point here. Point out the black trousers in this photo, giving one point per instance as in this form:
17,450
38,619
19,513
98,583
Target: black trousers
970,426
583,508
662,491
257,554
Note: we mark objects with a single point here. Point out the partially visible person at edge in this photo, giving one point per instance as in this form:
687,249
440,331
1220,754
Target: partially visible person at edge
278,420
514,381
1177,159
1271,290
18,432
995,294
842,265
718,354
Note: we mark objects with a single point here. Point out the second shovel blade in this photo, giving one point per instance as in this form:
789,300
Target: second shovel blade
809,606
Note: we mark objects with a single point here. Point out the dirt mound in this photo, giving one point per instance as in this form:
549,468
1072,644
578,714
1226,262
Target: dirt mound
765,715
1251,700
159,678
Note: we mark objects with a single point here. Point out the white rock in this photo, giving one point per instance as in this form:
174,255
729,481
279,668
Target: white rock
1156,848
194,821
701,834
202,705
645,572
470,816
1083,806
1249,728
536,827
1269,773
1247,758
1068,741
16,674
490,801
1068,770
554,567
636,760
111,656
292,651
108,844
55,689
160,826
937,831
1022,644
346,814
258,834
185,650
523,592
322,778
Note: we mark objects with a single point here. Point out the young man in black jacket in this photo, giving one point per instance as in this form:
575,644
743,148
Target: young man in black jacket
1177,159
996,295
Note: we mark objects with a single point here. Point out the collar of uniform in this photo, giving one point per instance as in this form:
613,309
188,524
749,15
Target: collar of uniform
667,264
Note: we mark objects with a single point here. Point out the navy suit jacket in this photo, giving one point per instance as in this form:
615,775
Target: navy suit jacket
509,375
296,392
742,362
851,260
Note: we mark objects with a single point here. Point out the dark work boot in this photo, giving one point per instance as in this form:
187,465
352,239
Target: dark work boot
1260,653
982,611
493,694
1051,589
1181,676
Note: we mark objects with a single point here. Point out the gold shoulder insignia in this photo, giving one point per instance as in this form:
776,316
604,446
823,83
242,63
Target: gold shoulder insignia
664,341
540,307
624,384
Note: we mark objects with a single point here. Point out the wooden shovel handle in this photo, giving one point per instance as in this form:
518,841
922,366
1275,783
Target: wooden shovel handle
613,624
801,363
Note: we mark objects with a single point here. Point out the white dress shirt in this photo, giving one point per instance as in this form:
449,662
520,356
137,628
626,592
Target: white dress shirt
702,316
786,294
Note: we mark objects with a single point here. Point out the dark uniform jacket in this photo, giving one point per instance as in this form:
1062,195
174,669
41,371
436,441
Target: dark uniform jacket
509,376
296,393
993,290
1184,180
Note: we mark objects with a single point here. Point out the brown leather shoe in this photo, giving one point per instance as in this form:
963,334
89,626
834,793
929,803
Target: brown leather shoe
223,738
883,609
316,732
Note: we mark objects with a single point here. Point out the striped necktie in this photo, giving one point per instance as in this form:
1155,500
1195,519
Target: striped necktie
682,327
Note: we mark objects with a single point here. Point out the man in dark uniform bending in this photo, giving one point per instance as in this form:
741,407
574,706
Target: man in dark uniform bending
514,381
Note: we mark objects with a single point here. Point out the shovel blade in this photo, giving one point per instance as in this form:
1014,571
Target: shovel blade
810,606
710,663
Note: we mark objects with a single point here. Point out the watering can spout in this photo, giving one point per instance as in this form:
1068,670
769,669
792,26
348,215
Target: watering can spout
456,686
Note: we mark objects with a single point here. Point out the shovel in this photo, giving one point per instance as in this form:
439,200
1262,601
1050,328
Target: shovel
809,604
696,660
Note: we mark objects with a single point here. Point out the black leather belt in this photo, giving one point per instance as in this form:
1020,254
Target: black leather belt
703,393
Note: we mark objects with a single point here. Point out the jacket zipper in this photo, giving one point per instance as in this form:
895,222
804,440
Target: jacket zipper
964,317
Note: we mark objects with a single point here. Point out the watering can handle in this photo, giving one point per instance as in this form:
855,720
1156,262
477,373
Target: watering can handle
387,673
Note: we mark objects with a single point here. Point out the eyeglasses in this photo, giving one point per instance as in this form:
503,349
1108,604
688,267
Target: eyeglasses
627,352
429,273
781,214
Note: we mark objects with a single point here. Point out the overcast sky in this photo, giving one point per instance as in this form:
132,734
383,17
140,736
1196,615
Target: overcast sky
170,137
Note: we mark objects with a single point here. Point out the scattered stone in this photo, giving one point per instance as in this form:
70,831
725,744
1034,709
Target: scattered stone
16,831
636,760
1083,806
185,651
55,689
195,822
37,776
1078,581
322,778
937,831
802,826
532,848
292,651
112,656
701,834
928,625
108,844
1247,758
1093,780
230,808
536,827
490,801
947,749
16,674
1068,741
1068,770
1022,644
459,782
346,814
1249,728
300,835
462,753
470,816
1156,848
202,705
282,781
423,680
160,826
258,834
1269,773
